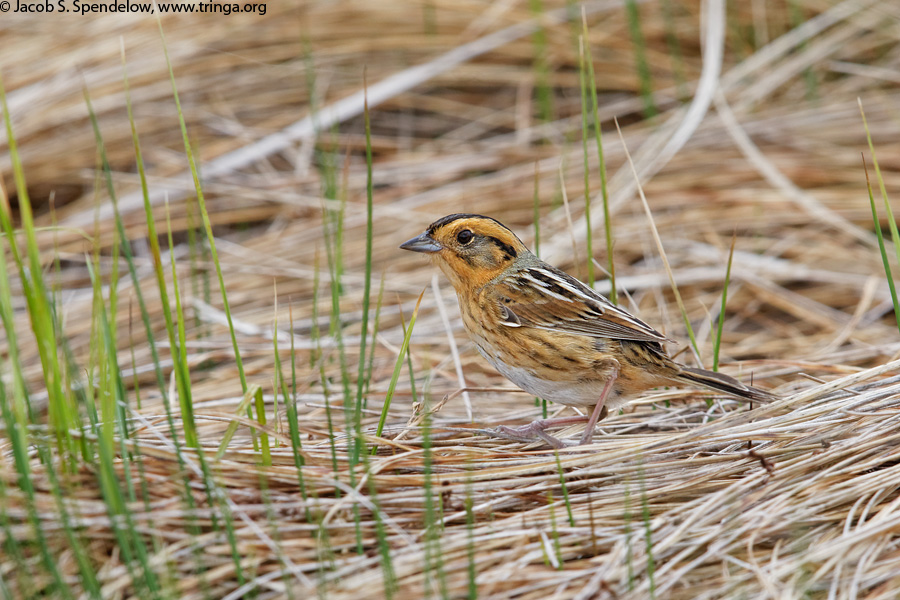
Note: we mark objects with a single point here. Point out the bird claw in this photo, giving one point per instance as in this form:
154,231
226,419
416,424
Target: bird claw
527,433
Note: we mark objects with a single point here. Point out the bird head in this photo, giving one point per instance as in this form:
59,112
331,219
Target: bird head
469,249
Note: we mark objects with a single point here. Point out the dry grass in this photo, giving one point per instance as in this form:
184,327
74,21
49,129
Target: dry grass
795,499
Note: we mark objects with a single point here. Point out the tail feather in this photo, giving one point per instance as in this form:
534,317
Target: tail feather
725,383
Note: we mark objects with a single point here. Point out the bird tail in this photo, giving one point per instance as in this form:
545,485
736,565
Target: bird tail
725,383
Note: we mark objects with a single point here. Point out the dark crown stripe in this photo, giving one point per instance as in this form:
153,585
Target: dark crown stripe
443,221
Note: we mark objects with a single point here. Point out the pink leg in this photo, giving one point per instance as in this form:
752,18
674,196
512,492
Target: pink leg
535,429
600,411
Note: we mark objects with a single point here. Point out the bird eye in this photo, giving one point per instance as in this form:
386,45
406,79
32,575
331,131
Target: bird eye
464,237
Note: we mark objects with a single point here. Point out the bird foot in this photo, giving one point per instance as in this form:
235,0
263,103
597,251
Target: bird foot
536,430
526,434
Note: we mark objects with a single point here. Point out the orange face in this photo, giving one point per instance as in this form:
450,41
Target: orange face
470,249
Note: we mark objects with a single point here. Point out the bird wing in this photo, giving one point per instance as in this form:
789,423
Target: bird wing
546,298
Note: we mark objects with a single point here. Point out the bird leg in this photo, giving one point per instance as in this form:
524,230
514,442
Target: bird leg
600,411
535,429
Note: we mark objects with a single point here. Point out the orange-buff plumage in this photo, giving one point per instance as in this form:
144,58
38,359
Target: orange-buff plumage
547,332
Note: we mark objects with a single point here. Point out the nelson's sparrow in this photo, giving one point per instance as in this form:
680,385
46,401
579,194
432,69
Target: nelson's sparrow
547,332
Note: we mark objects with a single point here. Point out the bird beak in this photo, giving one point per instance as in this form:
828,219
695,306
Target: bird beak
423,243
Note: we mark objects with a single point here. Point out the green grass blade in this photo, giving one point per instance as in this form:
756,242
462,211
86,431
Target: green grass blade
433,524
429,19
542,64
207,224
333,249
21,407
316,357
604,191
717,340
367,285
182,380
153,238
62,409
388,574
648,536
264,437
662,251
120,241
214,496
640,57
795,11
409,363
112,388
16,421
243,406
290,403
185,401
471,568
375,325
884,255
892,222
629,548
13,548
404,348
335,266
582,79
565,489
674,48
537,212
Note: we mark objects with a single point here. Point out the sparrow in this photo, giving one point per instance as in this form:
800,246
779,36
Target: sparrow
549,333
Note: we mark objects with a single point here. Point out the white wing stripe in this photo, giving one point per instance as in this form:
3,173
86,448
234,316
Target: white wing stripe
544,288
568,286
